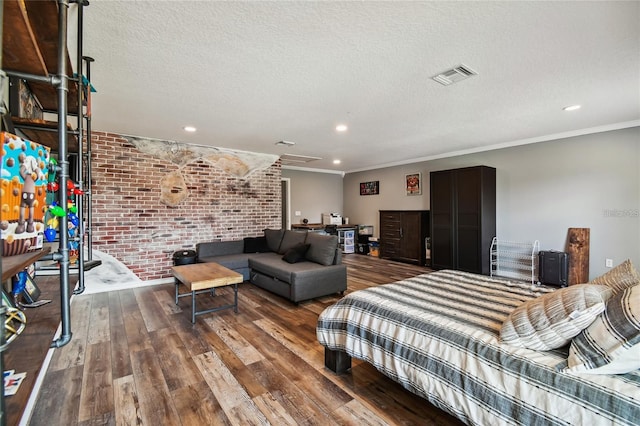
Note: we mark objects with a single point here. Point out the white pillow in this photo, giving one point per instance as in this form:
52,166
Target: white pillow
611,345
622,276
552,320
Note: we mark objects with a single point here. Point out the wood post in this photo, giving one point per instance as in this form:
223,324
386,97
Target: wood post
578,249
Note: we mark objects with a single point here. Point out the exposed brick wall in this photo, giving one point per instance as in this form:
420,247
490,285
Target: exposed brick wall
131,224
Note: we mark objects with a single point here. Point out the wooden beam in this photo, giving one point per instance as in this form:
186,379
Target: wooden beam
578,249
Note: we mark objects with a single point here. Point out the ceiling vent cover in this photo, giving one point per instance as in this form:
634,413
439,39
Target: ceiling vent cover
285,143
292,159
454,75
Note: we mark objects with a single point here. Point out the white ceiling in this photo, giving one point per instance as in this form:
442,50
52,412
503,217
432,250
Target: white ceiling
249,74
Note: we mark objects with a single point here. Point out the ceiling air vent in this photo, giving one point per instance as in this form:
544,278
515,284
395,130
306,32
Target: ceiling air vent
292,160
285,143
454,75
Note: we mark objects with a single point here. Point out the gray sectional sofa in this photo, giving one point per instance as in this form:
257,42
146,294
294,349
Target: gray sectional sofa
293,264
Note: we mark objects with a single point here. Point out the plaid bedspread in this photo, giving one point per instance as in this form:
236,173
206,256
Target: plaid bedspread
437,335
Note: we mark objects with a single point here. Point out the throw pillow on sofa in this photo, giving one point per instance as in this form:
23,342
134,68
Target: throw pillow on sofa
255,245
291,239
296,253
322,248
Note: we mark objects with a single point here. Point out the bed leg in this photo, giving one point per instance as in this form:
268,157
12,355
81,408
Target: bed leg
337,361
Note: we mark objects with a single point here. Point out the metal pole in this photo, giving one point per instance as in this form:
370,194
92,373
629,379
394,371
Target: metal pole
63,162
79,162
88,61
3,310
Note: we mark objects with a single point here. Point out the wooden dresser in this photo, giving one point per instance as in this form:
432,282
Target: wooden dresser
403,235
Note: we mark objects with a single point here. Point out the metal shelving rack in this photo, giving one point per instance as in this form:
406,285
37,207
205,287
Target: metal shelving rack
31,53
512,259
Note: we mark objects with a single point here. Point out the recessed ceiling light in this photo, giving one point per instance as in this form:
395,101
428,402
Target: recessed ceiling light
571,108
341,128
189,129
336,161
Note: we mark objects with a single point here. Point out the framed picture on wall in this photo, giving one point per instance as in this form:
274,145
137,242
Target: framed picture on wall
413,184
370,188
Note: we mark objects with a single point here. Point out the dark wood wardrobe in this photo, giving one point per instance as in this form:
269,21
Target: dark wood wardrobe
463,218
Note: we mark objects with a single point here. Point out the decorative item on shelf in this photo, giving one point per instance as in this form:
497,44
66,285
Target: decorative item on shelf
24,287
14,321
413,184
370,188
7,300
305,221
55,211
23,181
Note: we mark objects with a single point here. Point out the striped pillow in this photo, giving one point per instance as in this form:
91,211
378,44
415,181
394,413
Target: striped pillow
622,276
611,345
552,320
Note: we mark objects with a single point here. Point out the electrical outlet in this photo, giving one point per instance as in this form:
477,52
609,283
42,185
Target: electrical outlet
298,213
608,263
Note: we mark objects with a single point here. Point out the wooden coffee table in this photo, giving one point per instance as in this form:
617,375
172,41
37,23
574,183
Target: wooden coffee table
204,277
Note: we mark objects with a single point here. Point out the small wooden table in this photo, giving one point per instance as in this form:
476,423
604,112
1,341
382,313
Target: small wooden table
202,277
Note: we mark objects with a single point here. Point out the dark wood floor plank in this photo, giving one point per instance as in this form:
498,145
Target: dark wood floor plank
96,399
324,392
198,405
72,354
126,402
134,326
60,399
167,302
151,310
275,413
190,334
237,342
120,360
177,365
298,404
99,319
262,364
156,404
233,399
232,362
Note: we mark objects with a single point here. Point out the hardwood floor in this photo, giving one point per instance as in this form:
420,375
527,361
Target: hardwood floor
135,358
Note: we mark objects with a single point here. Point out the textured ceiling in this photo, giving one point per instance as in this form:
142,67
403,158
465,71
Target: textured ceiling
249,74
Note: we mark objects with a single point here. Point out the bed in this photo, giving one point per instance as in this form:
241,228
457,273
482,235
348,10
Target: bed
438,334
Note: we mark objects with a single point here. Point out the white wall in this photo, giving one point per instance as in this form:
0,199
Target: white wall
543,189
314,193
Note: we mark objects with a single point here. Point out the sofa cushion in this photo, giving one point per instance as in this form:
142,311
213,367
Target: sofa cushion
296,253
291,239
218,248
255,245
231,261
274,238
322,248
272,265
